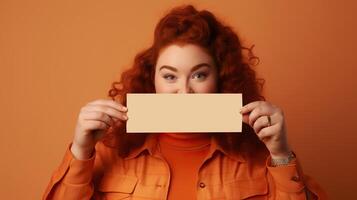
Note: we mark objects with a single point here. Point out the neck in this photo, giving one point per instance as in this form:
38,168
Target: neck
185,139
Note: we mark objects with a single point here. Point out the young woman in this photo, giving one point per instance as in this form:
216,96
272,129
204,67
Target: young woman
192,52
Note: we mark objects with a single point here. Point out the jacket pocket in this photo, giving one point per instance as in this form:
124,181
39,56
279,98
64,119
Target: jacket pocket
117,186
252,189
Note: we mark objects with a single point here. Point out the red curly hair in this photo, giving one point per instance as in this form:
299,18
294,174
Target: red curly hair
186,25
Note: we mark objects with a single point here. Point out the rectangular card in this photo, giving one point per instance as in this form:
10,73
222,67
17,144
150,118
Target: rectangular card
172,112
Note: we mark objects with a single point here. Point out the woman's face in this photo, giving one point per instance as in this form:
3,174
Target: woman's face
185,69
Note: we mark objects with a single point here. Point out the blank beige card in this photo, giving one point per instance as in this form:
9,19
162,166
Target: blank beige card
199,112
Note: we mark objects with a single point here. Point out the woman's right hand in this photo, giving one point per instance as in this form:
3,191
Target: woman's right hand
93,121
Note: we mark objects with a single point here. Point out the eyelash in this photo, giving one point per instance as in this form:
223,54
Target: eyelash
169,75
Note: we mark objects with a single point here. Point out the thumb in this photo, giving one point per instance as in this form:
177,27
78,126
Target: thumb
245,118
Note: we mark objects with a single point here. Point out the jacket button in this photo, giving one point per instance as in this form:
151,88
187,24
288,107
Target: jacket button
202,185
295,178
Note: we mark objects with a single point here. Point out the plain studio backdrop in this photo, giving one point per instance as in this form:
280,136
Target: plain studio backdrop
56,56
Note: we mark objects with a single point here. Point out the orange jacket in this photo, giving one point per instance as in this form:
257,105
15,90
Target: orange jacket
144,174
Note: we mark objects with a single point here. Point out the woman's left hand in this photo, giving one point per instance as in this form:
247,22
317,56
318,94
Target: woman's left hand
256,114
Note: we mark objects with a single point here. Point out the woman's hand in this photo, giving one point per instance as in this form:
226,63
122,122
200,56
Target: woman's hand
274,135
93,121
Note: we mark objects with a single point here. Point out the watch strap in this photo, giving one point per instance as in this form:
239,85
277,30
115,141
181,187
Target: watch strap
283,161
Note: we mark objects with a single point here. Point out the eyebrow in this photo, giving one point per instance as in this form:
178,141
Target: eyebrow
193,68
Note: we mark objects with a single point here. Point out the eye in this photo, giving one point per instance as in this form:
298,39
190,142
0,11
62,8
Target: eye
169,77
200,75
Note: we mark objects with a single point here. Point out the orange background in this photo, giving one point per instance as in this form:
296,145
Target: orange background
56,56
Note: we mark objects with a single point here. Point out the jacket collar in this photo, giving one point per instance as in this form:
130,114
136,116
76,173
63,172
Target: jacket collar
150,145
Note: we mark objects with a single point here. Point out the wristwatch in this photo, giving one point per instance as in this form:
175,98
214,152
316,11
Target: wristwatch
283,161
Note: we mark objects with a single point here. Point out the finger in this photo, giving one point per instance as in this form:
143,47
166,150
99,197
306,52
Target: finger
108,110
95,125
110,103
250,106
262,110
260,123
266,132
245,118
96,115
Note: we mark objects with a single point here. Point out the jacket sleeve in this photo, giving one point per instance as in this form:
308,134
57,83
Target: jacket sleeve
289,182
72,180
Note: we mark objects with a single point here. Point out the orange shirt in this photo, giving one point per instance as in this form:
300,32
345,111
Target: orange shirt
144,174
184,157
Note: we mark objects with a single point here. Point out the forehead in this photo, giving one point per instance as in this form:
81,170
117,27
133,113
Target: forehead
183,56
